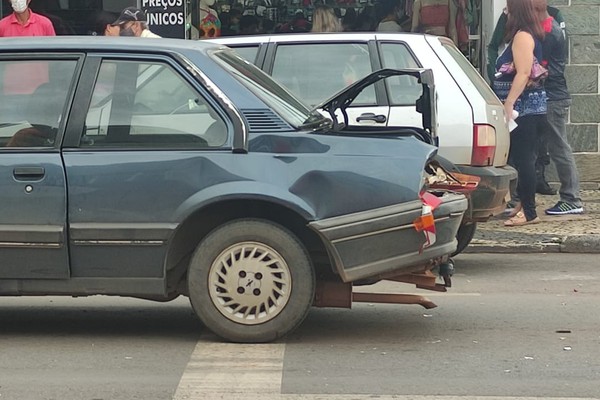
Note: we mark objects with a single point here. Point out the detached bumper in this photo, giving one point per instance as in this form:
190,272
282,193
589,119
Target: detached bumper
489,199
381,241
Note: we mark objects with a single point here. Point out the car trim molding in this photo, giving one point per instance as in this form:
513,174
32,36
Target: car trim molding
393,229
30,245
120,234
238,121
31,236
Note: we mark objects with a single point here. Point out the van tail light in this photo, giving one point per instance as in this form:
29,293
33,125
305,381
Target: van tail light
484,145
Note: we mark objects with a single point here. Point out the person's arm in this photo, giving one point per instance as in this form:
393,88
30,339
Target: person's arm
522,48
494,45
416,16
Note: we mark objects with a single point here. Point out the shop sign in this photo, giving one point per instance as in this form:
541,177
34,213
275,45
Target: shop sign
166,17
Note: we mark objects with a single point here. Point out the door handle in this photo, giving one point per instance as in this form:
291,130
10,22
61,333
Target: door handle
29,173
380,119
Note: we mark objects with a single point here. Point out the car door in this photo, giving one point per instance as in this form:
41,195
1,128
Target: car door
145,132
35,94
316,71
402,91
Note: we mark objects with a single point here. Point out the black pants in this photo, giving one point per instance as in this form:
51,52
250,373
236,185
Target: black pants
523,154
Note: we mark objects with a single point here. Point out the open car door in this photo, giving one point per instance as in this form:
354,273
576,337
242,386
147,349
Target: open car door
337,105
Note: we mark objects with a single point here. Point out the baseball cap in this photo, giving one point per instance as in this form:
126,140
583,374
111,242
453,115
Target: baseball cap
130,14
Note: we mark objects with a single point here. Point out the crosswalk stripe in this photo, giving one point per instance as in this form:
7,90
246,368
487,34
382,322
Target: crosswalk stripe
229,371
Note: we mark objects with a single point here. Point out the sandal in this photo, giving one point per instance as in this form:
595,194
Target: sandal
511,212
520,220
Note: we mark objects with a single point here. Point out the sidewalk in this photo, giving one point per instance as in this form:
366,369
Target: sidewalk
565,233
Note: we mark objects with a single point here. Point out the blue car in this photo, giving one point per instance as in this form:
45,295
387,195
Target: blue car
159,168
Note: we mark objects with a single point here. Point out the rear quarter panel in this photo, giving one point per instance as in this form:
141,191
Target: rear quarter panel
455,113
485,111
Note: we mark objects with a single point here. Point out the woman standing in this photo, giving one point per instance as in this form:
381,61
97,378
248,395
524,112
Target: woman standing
520,90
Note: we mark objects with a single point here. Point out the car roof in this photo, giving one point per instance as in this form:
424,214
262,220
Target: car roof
322,36
102,43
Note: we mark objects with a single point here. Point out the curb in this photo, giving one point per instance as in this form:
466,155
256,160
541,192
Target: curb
585,244
581,244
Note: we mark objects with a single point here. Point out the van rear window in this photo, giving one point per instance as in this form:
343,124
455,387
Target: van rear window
480,84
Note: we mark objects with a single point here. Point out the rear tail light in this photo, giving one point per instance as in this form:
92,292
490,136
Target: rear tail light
426,222
484,145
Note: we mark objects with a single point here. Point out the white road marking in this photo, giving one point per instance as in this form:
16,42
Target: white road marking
227,371
231,371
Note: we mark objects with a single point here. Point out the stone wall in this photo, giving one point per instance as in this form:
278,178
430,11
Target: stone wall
583,27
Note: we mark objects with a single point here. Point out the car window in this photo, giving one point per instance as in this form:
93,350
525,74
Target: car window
315,72
33,98
402,90
480,84
136,104
249,52
284,103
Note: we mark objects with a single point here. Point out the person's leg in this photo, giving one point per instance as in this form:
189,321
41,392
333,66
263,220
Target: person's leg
543,159
523,150
562,154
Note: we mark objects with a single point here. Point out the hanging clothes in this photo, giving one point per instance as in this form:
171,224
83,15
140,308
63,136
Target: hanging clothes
435,17
462,28
210,25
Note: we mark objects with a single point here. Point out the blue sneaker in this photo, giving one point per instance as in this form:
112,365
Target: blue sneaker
564,208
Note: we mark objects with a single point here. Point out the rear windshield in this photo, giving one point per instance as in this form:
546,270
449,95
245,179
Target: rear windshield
480,84
263,86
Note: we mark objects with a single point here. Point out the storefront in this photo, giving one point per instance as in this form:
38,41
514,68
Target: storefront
181,18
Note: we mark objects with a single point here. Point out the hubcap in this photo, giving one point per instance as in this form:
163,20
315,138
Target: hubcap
250,283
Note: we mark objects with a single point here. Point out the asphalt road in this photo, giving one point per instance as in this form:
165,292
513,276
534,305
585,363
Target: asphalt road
513,326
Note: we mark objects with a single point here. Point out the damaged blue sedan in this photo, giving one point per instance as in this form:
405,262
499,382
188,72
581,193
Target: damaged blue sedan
160,168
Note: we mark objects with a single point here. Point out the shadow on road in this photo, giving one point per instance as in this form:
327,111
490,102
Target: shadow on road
87,317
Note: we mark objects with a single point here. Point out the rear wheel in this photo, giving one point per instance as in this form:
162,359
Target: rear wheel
251,281
465,234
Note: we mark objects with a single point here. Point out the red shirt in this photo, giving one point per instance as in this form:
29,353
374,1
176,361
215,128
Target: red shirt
22,77
36,25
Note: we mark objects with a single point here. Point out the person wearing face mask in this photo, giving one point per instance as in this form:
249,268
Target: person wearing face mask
133,22
24,22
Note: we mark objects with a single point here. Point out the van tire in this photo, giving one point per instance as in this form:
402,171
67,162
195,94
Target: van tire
465,234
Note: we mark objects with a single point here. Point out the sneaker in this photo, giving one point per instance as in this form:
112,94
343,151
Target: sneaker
563,208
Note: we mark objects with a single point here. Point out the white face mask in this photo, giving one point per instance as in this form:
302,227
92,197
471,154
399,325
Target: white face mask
19,5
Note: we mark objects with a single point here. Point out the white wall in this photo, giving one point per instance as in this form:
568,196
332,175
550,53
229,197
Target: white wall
491,10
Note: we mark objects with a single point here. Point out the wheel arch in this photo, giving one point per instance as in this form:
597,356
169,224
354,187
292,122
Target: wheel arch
202,221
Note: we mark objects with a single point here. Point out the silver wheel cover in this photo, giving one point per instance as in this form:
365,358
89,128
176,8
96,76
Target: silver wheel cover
250,283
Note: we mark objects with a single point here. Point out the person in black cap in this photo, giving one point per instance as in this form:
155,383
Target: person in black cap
133,22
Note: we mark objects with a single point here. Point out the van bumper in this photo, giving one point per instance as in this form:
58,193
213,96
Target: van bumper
489,199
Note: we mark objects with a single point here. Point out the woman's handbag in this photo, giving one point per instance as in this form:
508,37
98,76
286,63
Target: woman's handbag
538,71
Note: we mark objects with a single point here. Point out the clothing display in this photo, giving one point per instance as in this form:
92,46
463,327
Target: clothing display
435,17
210,25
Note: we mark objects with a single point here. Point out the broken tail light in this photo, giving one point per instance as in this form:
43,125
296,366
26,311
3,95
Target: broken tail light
426,222
439,178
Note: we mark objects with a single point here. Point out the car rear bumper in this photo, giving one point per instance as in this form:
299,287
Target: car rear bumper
489,199
381,241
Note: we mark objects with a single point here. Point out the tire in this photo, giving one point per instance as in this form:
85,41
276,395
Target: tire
238,295
464,236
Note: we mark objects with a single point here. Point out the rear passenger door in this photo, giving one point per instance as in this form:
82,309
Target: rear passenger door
146,134
35,96
402,91
315,72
